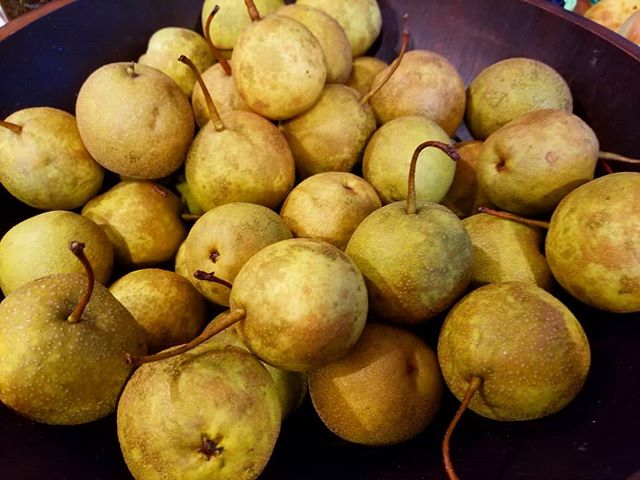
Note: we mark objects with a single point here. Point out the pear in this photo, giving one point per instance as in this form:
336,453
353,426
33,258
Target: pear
232,20
180,262
509,88
238,157
331,135
63,340
167,44
361,20
218,81
38,246
224,238
134,120
299,302
329,206
278,66
593,243
166,306
529,164
291,386
505,251
514,352
631,27
209,413
386,390
427,84
612,13
331,36
464,195
142,220
363,71
416,257
387,157
44,162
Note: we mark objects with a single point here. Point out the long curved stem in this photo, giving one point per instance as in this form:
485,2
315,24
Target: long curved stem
514,217
411,190
474,385
213,112
614,157
214,50
231,317
396,62
11,126
77,248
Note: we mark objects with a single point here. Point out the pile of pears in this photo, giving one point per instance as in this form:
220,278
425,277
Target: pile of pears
261,214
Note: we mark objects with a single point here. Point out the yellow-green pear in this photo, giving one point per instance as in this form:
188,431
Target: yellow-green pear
134,120
532,162
38,246
425,83
167,44
361,20
166,306
510,88
363,71
506,251
43,161
142,221
331,36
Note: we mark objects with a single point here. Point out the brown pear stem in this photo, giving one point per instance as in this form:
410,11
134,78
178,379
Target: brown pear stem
474,385
190,216
606,167
253,11
411,190
11,126
396,63
131,70
514,217
614,157
211,277
77,248
213,112
214,50
222,323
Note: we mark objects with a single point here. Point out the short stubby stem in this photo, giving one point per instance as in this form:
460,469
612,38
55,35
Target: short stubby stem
11,126
211,277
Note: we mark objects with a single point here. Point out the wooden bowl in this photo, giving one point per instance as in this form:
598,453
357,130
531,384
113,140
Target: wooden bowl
45,58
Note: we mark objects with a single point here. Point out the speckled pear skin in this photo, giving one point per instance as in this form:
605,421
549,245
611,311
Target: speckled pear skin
224,238
138,124
279,67
46,165
209,413
305,303
509,88
363,71
593,243
361,20
39,246
332,134
142,221
58,372
248,161
529,164
414,266
527,347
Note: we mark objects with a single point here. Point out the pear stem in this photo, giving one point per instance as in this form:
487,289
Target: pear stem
514,217
474,385
605,165
396,63
190,216
411,190
214,50
131,70
213,112
224,322
253,11
614,157
11,126
77,248
211,277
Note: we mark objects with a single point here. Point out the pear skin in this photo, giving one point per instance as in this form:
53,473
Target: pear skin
363,71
